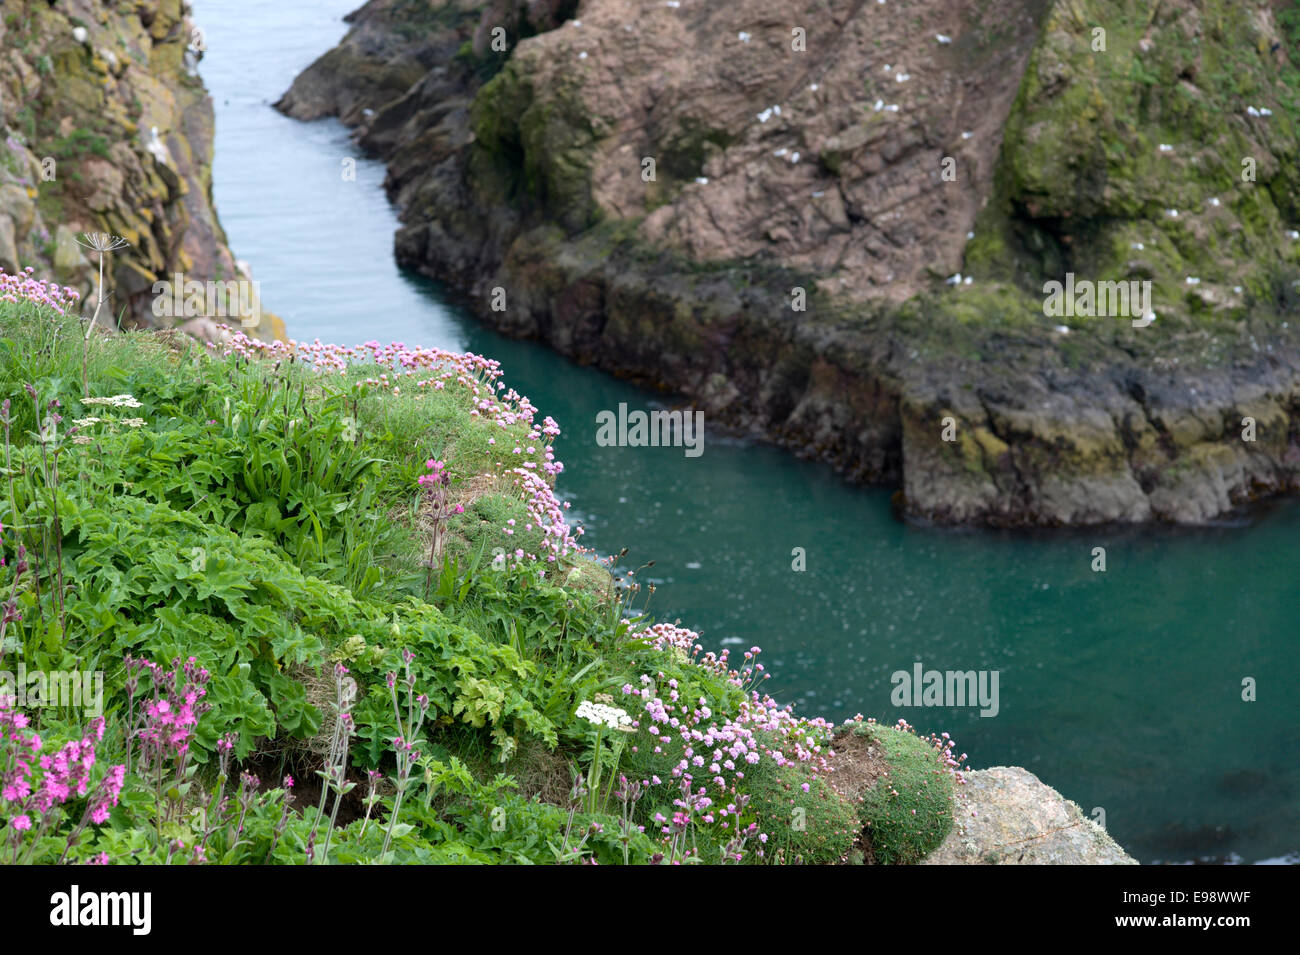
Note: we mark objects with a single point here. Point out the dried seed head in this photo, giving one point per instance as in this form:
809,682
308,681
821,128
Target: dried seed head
101,242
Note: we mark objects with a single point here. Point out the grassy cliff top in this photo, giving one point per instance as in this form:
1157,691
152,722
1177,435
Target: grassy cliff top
431,651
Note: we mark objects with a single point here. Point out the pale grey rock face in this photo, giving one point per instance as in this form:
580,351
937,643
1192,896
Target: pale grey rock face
8,246
1007,816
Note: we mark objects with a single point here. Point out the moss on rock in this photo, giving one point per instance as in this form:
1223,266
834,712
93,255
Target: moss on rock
1137,149
908,812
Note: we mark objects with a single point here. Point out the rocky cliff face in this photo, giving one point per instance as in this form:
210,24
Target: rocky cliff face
831,224
108,129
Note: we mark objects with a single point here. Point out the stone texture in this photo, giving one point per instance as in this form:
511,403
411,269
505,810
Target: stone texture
1007,816
70,261
129,130
8,245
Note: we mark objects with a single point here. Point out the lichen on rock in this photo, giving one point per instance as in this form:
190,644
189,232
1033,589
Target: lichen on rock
106,129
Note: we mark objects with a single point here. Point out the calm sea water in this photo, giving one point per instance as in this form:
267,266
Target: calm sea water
1120,689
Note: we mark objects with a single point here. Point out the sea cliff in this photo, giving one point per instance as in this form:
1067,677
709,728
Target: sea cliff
833,225
108,129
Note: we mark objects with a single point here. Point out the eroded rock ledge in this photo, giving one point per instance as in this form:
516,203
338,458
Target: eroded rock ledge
823,170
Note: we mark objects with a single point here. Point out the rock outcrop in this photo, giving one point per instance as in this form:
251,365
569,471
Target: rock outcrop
830,224
108,129
1007,816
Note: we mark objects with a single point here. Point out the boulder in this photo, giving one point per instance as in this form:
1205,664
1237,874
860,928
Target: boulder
1007,816
18,206
69,262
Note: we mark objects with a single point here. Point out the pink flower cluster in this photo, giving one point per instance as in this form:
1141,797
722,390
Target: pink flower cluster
546,513
64,775
417,367
24,288
438,476
172,714
435,484
714,753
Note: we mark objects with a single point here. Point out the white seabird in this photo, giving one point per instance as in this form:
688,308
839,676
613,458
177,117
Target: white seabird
157,148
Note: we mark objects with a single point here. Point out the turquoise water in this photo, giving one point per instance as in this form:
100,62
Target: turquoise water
1121,689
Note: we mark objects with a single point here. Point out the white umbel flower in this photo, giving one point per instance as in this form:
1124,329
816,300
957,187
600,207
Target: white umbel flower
602,714
116,401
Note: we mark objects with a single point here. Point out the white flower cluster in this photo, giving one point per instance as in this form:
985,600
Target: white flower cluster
116,401
604,715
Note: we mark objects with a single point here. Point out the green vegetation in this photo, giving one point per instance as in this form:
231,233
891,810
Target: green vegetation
538,148
486,67
809,828
1166,154
78,144
908,813
355,620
